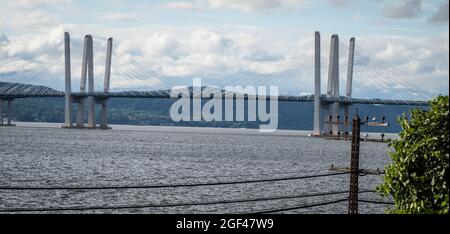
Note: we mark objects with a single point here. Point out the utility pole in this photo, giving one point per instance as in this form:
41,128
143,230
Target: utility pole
354,167
354,170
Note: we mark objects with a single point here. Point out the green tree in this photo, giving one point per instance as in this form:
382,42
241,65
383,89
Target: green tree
417,179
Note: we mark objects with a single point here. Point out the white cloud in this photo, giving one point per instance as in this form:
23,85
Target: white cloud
34,45
420,64
121,16
183,5
31,20
30,4
29,16
245,6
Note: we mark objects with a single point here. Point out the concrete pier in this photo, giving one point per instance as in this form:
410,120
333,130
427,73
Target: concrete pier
67,90
9,112
104,114
1,112
317,70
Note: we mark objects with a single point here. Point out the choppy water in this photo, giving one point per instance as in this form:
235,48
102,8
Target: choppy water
53,157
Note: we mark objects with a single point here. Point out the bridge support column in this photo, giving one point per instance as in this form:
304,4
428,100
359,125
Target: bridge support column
9,112
68,91
91,98
317,93
80,121
104,116
336,118
1,111
104,113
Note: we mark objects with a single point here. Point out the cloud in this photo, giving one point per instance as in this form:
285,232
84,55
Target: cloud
441,15
28,16
417,65
121,16
28,46
183,5
32,20
339,3
407,9
31,4
245,6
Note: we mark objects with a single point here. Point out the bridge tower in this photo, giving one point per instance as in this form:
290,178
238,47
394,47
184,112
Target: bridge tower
333,119
348,90
317,94
87,71
67,90
333,83
104,101
91,89
80,99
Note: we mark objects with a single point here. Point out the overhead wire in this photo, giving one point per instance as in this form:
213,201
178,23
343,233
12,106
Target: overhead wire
168,185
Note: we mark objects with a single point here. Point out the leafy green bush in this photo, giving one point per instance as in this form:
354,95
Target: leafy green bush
418,178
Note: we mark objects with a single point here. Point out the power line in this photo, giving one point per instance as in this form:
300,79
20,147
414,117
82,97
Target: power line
300,207
376,202
174,204
226,176
171,185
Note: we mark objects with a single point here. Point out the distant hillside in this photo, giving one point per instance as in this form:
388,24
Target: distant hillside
292,115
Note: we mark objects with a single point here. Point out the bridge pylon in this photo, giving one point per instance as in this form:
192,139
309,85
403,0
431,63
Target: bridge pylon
333,120
67,90
87,71
317,71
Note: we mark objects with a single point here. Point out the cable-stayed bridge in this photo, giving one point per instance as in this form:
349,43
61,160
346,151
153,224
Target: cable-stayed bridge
131,81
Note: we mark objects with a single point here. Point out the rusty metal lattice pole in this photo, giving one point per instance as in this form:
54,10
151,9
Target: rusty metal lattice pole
354,167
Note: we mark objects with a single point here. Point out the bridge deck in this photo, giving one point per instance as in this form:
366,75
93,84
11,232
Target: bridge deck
310,98
14,90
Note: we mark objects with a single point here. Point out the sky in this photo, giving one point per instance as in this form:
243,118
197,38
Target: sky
402,45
